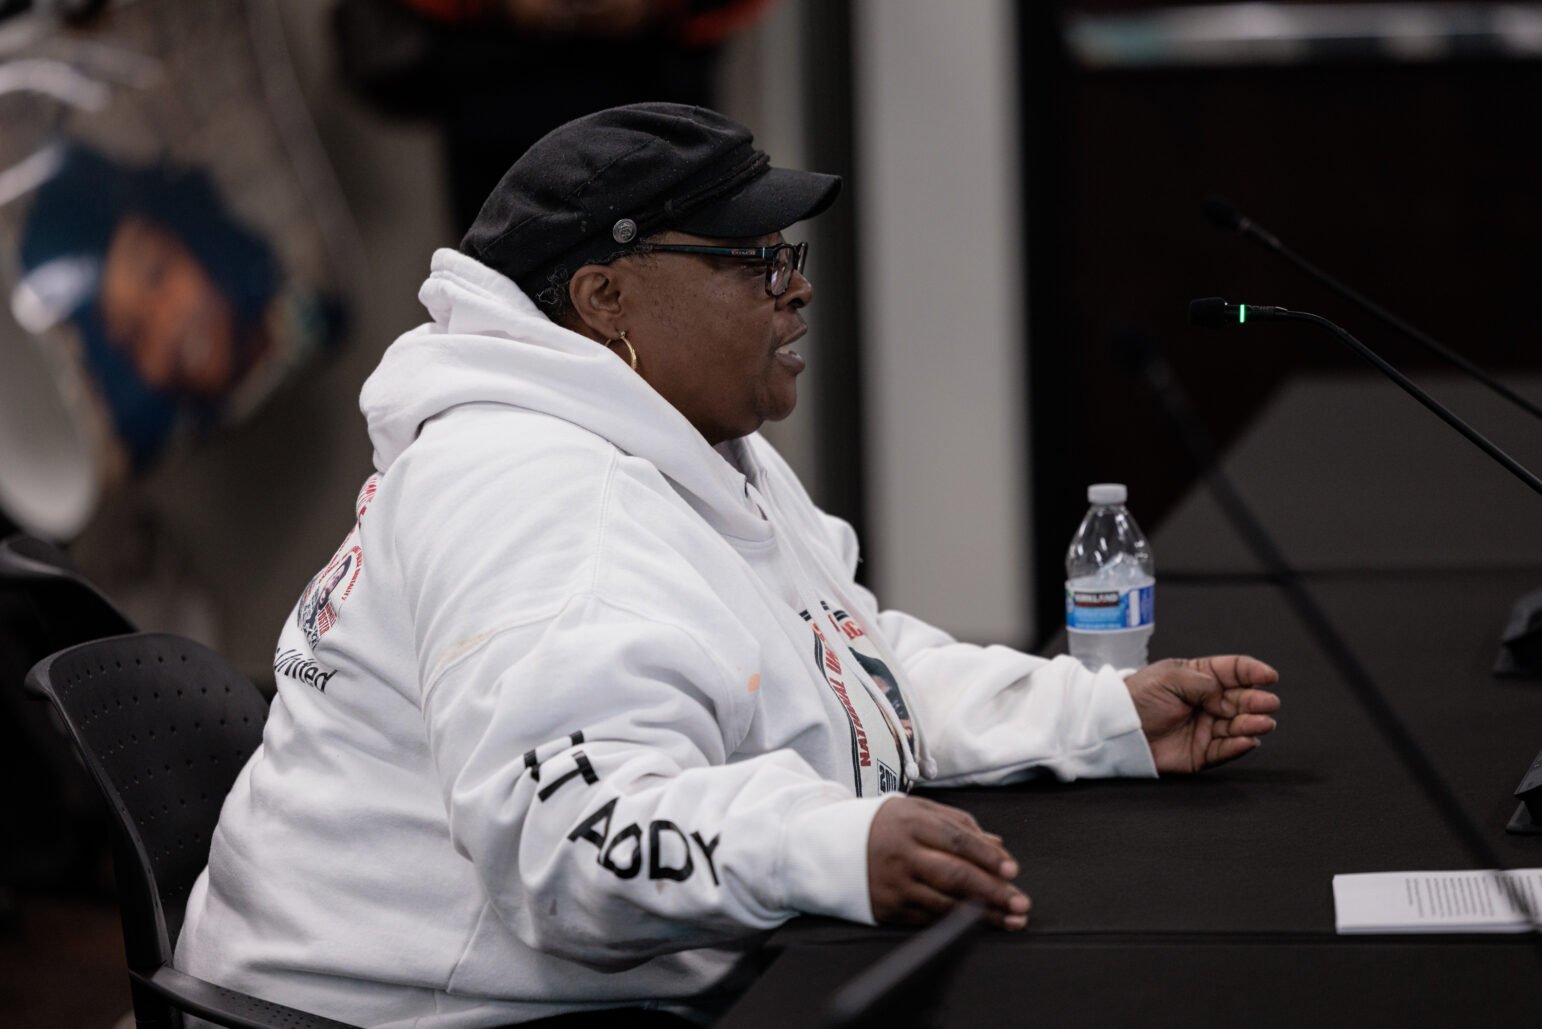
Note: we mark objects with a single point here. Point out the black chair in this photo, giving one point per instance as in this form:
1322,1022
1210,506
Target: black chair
45,606
164,725
66,608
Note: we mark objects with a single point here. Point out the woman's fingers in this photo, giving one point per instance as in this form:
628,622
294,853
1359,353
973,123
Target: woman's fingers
1236,670
923,859
964,880
1243,725
971,844
923,905
1230,748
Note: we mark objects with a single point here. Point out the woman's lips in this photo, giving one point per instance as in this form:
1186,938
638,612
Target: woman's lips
787,355
790,358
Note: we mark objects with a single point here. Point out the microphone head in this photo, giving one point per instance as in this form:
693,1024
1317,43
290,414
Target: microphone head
1222,212
1211,312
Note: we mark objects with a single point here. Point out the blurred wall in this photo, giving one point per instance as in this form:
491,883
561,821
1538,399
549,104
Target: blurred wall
940,261
250,517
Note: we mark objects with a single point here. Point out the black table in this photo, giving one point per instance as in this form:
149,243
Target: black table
1207,900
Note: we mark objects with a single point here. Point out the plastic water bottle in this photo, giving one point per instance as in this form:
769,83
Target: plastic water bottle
1110,579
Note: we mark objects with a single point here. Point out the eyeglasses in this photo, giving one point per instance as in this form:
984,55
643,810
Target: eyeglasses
781,260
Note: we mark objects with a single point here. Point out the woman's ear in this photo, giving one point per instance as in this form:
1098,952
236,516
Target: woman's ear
596,296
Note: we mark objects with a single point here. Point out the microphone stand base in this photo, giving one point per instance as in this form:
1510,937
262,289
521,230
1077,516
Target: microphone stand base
1527,820
1520,645
1522,824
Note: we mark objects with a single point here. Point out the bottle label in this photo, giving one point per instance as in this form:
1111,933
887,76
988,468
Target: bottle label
1107,610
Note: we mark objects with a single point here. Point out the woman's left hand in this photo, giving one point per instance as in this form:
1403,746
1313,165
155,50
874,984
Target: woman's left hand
1199,712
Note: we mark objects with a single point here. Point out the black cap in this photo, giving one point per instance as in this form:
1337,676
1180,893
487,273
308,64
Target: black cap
586,190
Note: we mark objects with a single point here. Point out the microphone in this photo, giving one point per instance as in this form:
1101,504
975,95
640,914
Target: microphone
1214,312
1223,214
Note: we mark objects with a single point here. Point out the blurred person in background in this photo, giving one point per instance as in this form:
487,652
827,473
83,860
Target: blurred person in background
182,312
497,75
169,293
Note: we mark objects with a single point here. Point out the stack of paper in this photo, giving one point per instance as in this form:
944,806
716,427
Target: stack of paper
1438,902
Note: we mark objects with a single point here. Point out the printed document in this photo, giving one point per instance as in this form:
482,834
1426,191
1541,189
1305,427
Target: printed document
1437,902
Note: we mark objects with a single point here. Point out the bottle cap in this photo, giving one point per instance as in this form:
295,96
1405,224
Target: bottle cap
1107,493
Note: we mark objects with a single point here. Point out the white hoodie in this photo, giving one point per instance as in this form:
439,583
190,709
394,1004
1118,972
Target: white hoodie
579,708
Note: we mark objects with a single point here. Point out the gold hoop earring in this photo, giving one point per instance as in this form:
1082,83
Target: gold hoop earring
631,352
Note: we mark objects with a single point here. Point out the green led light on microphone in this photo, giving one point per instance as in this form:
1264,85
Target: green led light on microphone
1242,313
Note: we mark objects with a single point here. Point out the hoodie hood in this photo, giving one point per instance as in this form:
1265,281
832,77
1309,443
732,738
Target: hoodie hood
488,343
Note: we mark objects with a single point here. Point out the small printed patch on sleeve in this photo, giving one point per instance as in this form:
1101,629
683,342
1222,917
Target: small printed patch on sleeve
754,683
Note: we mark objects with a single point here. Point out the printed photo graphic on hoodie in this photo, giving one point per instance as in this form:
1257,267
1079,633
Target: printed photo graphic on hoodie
855,680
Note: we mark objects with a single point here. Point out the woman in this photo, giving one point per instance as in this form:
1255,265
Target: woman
602,701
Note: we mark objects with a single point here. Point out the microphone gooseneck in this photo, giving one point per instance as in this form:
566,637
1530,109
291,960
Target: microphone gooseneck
1214,312
1223,214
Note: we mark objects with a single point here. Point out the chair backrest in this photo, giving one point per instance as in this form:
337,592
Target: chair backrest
45,606
164,725
66,608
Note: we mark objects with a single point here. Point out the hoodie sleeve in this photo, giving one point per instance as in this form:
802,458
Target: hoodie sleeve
584,737
992,714
586,775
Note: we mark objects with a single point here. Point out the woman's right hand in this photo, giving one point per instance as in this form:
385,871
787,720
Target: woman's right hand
923,858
